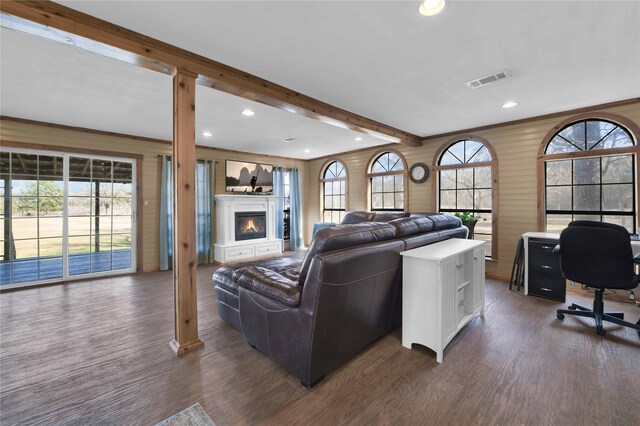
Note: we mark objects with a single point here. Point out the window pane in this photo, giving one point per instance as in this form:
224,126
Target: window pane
596,130
483,199
592,217
448,179
102,224
26,249
465,199
80,225
336,187
465,178
559,198
399,179
24,228
336,201
328,201
24,187
557,222
104,188
482,177
326,216
481,156
448,199
122,189
79,168
24,166
122,224
399,201
395,162
122,171
50,267
343,201
559,172
575,134
101,170
50,166
328,188
586,197
388,200
51,247
376,184
559,145
79,244
617,197
121,206
24,206
50,206
617,169
471,149
617,139
388,184
50,227
5,163
626,221
80,188
457,150
376,201
586,171
448,159
80,206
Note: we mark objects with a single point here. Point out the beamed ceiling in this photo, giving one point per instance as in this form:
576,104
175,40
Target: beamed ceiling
381,60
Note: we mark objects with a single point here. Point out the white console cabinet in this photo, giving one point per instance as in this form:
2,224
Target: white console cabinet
442,290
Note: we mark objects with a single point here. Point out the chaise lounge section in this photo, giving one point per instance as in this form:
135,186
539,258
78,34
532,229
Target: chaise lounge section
312,315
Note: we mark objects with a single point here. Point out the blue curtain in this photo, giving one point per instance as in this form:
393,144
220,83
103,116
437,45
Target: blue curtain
204,213
295,226
166,212
278,191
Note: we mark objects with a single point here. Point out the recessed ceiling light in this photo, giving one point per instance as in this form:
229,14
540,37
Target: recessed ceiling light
509,104
207,134
287,140
357,139
307,150
248,113
431,7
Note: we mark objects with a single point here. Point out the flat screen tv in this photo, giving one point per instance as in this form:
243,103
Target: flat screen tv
244,177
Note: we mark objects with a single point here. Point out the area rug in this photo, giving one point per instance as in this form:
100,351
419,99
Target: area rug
192,416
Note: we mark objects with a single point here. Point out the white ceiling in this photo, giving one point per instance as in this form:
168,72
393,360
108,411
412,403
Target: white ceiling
52,82
378,59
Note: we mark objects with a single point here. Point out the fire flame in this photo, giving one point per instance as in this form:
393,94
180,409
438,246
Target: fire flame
249,226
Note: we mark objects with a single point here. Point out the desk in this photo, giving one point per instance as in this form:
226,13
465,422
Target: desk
635,246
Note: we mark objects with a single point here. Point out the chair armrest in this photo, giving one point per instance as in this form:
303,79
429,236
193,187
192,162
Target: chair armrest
268,283
636,258
556,249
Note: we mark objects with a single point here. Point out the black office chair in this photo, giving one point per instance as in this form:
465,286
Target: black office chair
598,255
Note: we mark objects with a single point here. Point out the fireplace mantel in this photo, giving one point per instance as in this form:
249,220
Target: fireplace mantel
226,248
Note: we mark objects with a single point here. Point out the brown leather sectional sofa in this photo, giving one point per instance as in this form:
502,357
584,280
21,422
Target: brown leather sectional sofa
313,315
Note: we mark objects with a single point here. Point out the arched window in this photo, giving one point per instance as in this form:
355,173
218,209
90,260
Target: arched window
387,175
466,172
334,191
589,174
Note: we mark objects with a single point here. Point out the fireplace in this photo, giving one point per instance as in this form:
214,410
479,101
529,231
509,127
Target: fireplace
251,225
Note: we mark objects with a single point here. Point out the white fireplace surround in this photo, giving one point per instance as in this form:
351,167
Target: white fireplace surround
227,249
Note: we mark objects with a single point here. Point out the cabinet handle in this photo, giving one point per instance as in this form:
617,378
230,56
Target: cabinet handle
546,247
546,267
545,289
460,266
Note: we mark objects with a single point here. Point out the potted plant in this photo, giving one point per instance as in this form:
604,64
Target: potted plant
468,220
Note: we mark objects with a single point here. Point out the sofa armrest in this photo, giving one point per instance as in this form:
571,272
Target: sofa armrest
268,283
556,249
636,258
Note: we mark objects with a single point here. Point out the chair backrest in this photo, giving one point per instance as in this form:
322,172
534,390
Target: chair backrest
597,254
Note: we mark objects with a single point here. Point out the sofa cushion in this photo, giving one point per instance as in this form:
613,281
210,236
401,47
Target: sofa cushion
268,283
411,225
343,236
357,217
288,267
387,216
441,220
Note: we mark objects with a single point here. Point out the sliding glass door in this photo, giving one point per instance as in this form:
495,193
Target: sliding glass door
65,216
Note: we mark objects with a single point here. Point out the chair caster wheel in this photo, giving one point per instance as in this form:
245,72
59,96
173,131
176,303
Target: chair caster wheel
560,316
600,330
572,308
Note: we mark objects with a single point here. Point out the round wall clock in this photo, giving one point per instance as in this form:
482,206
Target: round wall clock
419,172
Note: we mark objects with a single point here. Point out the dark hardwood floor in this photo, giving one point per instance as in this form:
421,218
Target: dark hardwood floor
97,352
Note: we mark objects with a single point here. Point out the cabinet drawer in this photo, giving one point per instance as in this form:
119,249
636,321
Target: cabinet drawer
542,259
550,286
267,249
239,253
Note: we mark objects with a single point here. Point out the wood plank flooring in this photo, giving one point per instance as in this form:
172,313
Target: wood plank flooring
97,352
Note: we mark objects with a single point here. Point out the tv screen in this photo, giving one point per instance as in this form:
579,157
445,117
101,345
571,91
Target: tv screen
243,177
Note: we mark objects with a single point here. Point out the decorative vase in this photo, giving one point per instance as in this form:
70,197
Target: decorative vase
471,225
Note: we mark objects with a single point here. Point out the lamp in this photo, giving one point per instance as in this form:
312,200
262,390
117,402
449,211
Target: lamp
431,7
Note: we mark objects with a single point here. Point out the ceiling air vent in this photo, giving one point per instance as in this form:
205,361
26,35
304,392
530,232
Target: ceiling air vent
483,81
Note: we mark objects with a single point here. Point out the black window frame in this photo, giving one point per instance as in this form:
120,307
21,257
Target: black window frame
388,172
324,180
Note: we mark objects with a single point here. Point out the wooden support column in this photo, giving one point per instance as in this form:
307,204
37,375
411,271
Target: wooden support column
184,212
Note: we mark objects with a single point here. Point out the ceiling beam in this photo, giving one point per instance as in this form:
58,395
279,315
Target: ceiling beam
101,37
